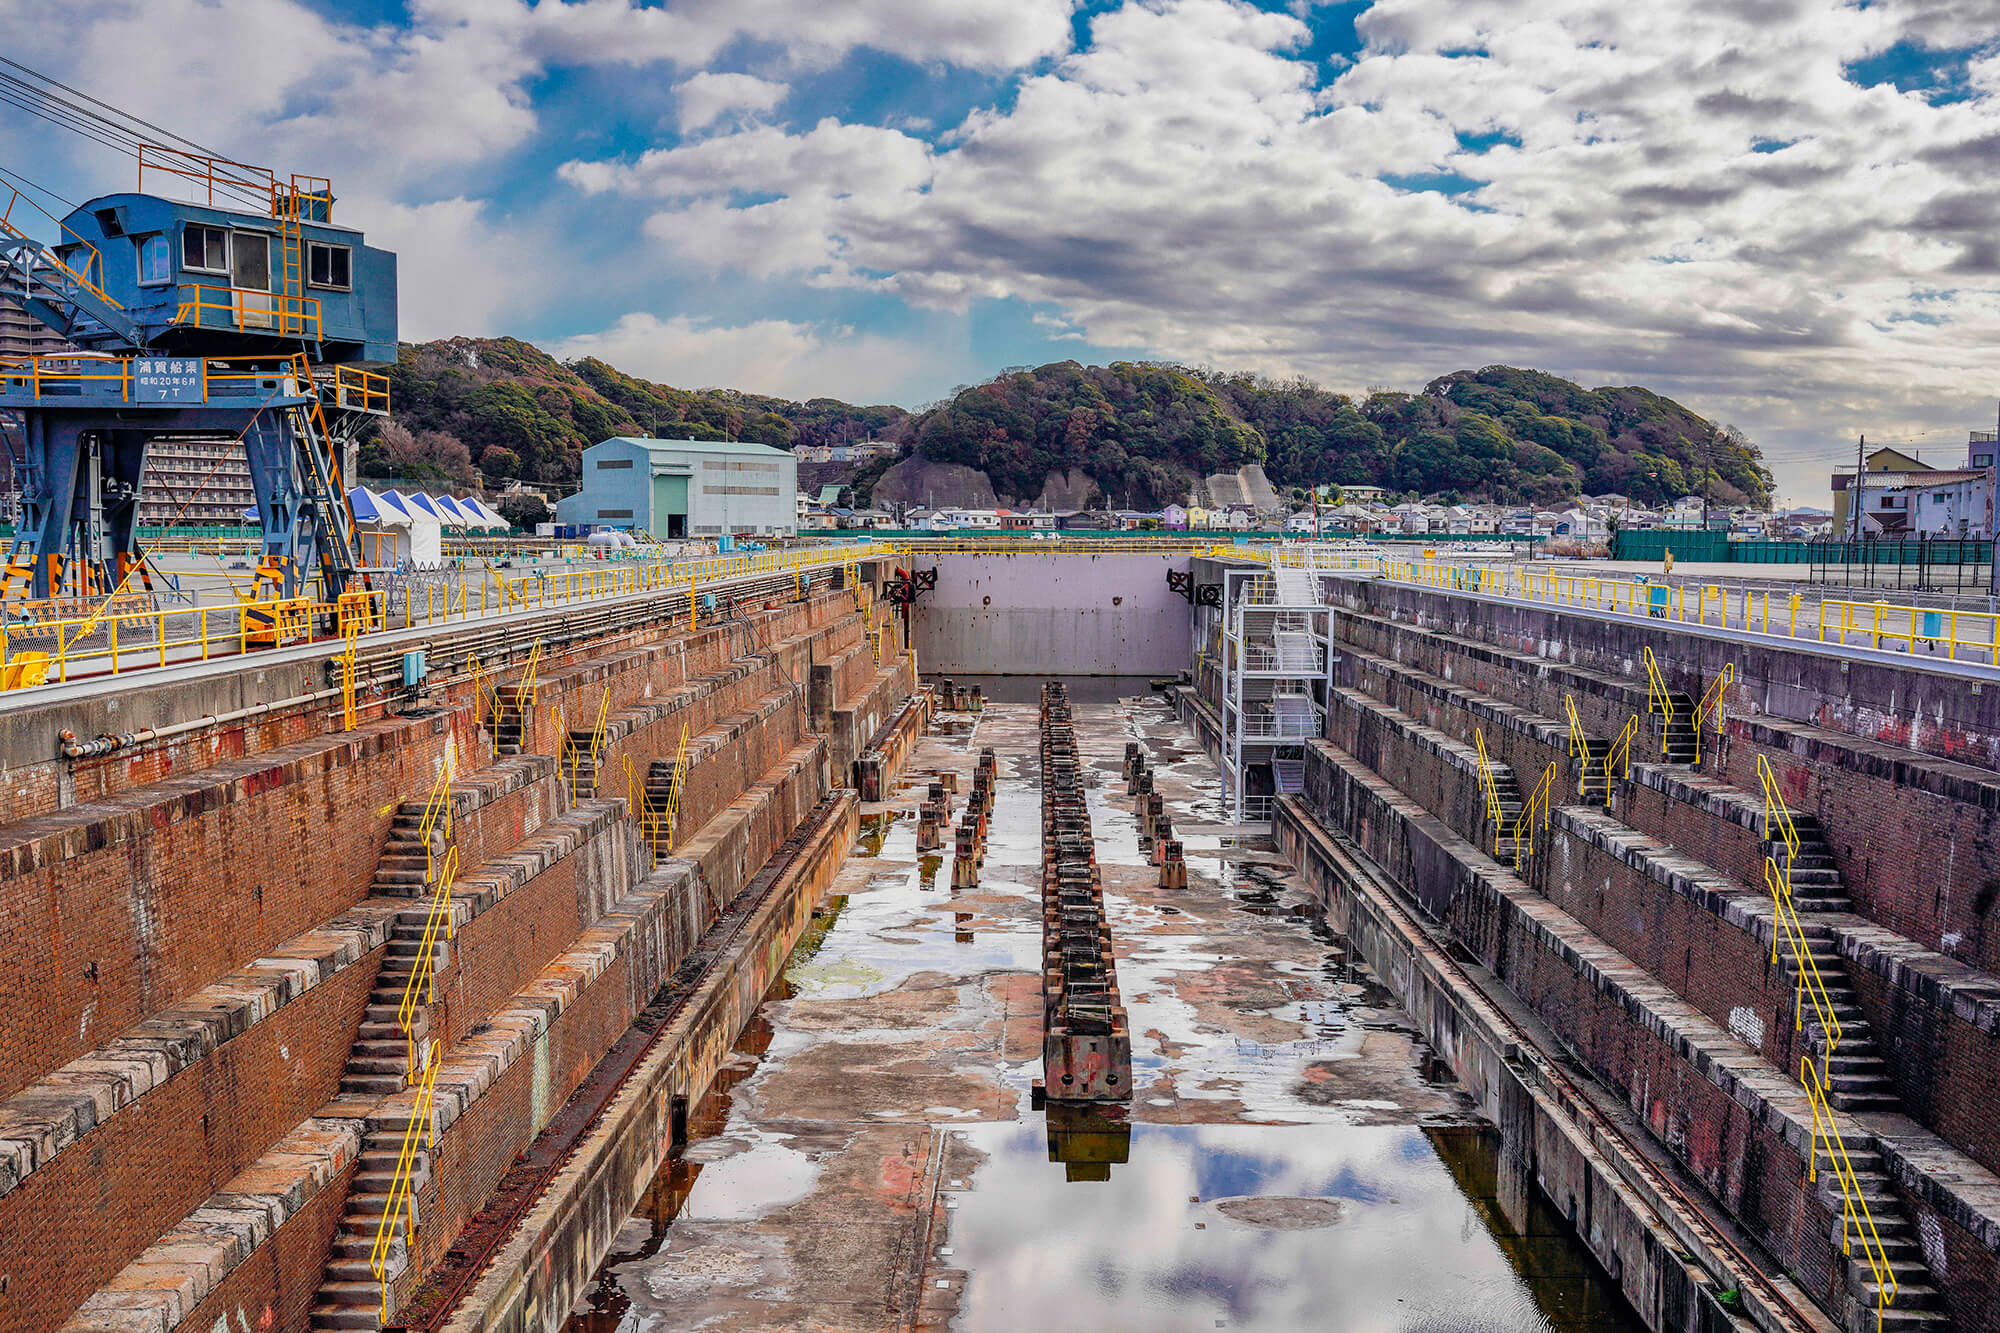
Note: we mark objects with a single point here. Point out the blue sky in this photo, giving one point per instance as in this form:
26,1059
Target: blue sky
1779,213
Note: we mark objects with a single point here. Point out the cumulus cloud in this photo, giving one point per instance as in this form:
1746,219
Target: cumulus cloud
1699,197
706,98
771,356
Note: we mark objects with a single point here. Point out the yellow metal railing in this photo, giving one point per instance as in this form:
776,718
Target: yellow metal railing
1534,812
1619,757
1857,1223
132,640
287,314
1811,987
421,988
1579,746
1778,826
571,755
1876,624
1488,788
1659,699
350,640
529,687
437,815
649,819
399,1214
671,816
1710,705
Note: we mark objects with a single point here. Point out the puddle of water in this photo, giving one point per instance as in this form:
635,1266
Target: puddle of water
1197,1227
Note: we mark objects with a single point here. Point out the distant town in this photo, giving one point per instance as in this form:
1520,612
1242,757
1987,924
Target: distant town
1901,497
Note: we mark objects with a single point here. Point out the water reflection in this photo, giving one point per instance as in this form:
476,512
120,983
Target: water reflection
1269,1227
605,1307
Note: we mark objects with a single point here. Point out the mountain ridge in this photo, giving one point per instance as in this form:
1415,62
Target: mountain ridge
1136,433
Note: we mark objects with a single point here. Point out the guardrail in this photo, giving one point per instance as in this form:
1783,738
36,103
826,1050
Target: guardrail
1845,621
122,641
1619,756
1487,787
671,818
1659,699
1710,704
399,1213
1525,822
1856,1221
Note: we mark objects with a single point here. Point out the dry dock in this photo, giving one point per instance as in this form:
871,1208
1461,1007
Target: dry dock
1294,1157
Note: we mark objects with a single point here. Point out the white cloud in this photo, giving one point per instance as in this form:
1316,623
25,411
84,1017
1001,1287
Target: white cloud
1189,183
706,98
451,273
770,356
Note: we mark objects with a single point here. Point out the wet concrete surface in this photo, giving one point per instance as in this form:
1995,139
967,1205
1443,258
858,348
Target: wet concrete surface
1292,1157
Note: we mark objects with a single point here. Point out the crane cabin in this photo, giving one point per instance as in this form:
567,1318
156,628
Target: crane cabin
196,278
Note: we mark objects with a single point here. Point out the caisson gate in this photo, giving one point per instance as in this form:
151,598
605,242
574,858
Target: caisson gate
1255,937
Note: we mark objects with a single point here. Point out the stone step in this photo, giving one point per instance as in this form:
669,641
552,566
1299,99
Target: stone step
376,1085
369,1205
396,1064
351,1270
1866,1101
383,1182
347,1316
390,1030
1916,1294
355,1239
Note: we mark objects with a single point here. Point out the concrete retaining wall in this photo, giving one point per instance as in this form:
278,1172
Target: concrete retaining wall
1080,614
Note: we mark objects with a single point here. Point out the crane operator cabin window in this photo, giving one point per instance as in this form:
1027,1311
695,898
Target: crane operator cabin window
328,266
205,248
156,261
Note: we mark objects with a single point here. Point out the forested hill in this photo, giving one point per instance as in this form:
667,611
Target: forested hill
1147,431
507,409
1143,432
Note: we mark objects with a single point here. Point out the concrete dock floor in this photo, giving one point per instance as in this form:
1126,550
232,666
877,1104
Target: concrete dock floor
1292,1157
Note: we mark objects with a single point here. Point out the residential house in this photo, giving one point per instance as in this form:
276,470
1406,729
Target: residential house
1900,496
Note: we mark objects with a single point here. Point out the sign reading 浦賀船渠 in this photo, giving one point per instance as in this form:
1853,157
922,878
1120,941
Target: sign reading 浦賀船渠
167,379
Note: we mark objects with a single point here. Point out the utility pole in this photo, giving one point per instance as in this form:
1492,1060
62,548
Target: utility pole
1854,491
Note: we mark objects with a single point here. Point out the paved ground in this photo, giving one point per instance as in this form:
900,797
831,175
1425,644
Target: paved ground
874,1161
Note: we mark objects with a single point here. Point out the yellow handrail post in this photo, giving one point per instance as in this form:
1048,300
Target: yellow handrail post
1711,704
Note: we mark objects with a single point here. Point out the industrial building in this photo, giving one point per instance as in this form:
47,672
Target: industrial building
685,488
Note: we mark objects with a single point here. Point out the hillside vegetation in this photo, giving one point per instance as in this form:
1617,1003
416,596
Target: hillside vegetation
510,410
1143,433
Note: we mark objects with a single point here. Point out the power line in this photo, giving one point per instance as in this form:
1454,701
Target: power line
43,188
137,120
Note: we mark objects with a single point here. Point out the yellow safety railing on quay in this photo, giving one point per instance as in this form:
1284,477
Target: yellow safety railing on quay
1875,624
1857,1223
399,1213
1534,813
132,640
1710,705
